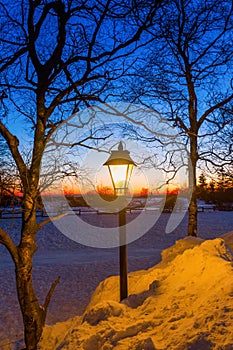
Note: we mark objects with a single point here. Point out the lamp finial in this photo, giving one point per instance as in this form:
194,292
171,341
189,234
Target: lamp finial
120,146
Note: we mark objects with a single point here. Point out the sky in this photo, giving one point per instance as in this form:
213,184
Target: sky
62,153
163,72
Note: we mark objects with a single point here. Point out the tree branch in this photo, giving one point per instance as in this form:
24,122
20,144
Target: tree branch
213,108
13,144
8,243
49,295
11,59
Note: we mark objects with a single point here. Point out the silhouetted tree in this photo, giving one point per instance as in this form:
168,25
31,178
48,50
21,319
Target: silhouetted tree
202,187
224,188
187,76
55,58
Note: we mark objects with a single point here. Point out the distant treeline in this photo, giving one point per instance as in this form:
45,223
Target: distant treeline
217,192
9,201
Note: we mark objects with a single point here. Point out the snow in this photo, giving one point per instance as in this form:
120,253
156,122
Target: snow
172,289
184,302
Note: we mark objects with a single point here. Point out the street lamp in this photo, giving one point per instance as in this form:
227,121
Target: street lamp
120,166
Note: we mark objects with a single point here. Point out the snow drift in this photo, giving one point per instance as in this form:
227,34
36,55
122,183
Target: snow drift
184,302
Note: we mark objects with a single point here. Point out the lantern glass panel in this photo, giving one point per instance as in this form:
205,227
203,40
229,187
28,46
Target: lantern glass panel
118,175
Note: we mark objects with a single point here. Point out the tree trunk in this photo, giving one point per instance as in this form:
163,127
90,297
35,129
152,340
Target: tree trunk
33,314
192,220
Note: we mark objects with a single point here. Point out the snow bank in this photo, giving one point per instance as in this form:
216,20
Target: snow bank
184,302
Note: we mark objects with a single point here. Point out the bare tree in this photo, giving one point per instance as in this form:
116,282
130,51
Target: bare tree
55,58
187,76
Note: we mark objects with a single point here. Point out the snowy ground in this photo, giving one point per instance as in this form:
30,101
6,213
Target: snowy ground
82,268
184,302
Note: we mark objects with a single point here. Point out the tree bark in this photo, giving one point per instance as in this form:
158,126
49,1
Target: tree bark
33,313
192,220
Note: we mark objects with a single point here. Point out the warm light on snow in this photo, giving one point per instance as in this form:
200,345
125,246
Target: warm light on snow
184,302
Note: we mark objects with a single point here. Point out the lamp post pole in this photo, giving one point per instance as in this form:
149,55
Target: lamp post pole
120,166
123,255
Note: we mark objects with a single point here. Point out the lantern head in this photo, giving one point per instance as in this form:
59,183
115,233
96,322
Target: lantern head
120,166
